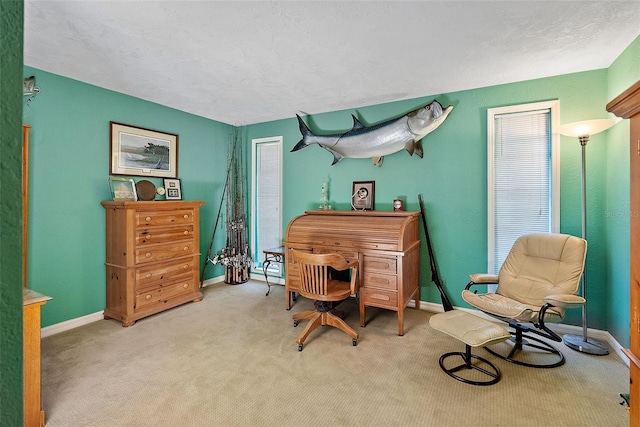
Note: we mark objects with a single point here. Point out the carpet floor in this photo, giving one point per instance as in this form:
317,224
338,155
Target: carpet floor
232,360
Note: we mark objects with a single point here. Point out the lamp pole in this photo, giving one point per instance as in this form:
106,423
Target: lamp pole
583,343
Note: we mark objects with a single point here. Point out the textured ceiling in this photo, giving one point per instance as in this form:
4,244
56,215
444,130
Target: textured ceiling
243,62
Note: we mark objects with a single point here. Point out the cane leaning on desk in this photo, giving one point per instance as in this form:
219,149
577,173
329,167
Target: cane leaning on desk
275,254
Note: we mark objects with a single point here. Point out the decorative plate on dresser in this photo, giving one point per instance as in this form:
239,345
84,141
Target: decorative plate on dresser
146,190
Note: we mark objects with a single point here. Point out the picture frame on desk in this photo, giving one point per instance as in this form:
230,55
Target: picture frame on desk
173,189
363,195
137,151
122,189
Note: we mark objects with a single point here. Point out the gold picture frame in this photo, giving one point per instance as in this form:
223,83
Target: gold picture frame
137,151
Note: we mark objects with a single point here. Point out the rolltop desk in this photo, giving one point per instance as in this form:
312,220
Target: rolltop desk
385,244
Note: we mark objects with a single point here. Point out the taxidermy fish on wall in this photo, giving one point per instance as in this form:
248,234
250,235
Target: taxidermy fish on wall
378,140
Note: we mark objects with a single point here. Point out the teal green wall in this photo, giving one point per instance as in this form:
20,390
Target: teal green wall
452,177
624,72
11,17
69,167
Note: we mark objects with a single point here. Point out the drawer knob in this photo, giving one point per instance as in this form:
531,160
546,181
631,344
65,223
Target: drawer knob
148,219
186,232
186,266
148,237
148,297
186,216
186,285
186,248
148,275
148,254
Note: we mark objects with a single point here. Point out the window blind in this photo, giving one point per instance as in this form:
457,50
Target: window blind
267,198
522,182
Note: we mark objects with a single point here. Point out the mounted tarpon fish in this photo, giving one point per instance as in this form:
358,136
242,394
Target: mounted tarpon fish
378,140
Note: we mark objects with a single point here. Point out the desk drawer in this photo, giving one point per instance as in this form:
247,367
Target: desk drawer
379,264
349,255
383,281
379,298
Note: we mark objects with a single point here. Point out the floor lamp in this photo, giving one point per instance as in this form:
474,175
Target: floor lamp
582,130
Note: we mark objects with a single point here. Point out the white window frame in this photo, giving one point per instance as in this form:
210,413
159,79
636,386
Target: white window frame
274,269
554,107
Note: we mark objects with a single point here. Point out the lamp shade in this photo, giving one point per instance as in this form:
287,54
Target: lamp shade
586,127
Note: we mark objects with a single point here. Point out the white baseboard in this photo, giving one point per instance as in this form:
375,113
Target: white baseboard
258,276
94,317
559,328
71,324
424,305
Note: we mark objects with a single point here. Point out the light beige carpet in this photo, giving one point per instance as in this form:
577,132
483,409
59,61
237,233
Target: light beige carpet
232,360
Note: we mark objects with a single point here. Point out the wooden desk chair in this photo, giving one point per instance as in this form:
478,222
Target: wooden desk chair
317,284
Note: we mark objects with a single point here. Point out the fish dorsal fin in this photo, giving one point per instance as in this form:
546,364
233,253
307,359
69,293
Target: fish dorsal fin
410,146
377,160
356,123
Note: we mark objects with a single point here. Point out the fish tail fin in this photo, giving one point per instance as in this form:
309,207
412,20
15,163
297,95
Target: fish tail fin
305,131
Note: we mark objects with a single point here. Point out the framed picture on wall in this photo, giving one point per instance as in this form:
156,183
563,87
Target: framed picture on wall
172,189
122,189
363,195
137,151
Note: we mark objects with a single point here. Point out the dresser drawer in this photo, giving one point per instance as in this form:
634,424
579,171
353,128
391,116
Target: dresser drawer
163,293
170,271
163,252
379,297
384,281
145,236
163,218
383,265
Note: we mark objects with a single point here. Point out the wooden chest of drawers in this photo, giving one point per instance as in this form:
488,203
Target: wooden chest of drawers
386,245
152,257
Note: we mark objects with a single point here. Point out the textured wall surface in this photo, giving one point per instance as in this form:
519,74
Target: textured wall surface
11,13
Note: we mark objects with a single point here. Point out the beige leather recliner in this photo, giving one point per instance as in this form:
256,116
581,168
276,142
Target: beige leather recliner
537,282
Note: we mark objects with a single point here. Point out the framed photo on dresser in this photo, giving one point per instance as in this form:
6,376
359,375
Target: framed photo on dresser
172,189
122,189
